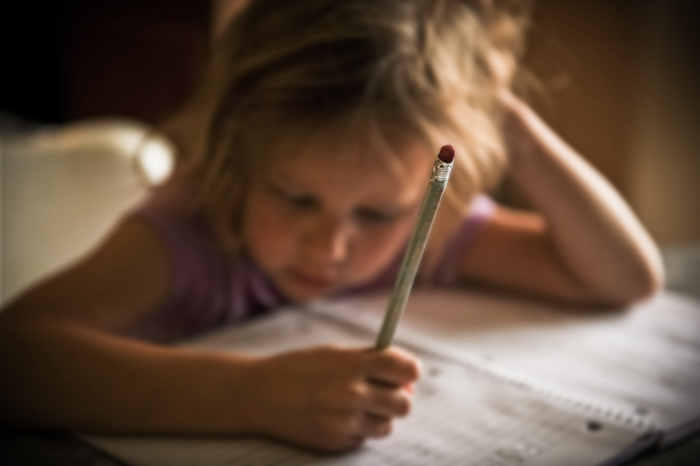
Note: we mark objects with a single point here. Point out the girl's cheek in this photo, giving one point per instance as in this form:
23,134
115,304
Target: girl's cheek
269,231
380,246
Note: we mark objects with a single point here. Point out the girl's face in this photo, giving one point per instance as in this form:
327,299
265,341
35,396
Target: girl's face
318,223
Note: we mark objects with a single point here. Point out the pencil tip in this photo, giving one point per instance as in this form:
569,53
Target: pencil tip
447,154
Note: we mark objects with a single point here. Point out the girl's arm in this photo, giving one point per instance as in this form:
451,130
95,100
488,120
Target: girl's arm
64,365
586,246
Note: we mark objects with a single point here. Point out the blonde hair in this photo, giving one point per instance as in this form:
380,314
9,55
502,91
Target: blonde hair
284,68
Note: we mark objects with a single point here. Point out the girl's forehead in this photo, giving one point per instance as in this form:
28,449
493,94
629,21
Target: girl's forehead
390,151
354,167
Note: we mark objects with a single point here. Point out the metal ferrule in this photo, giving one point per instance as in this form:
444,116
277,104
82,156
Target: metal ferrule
441,171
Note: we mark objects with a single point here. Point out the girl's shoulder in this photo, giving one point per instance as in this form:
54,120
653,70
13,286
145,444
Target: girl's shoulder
462,238
208,285
168,212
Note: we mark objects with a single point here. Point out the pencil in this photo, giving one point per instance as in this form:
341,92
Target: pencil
416,246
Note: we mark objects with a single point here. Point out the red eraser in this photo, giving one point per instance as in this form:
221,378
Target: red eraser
447,154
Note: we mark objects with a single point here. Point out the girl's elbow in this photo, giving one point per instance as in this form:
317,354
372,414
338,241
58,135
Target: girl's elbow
641,284
657,278
652,276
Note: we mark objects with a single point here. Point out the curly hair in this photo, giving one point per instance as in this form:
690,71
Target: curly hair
283,69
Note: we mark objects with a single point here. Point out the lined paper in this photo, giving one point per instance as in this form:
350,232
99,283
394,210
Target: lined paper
462,415
644,360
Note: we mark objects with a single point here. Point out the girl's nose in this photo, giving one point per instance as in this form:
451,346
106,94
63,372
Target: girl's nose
328,242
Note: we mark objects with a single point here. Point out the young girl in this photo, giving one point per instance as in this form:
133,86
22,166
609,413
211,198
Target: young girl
302,163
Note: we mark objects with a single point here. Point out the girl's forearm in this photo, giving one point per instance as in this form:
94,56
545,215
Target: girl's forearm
592,229
58,375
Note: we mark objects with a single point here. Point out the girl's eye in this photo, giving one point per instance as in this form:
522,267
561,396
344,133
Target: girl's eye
301,201
297,201
375,216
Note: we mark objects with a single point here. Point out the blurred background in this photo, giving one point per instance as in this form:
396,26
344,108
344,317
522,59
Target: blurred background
619,81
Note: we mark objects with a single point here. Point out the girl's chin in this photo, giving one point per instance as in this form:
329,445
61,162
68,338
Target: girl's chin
304,295
300,288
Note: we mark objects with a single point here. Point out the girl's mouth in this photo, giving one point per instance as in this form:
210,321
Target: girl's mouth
311,281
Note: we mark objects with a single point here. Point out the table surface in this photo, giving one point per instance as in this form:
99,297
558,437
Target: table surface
19,447
24,447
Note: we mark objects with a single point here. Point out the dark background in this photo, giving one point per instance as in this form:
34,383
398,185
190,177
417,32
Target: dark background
618,80
71,59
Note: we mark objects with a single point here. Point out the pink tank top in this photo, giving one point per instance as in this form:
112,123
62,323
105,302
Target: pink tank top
208,290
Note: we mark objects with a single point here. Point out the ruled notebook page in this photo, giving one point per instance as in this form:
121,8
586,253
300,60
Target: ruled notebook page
643,360
462,415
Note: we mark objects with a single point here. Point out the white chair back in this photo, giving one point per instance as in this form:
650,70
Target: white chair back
62,189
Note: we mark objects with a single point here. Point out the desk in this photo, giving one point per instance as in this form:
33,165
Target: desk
24,447
21,448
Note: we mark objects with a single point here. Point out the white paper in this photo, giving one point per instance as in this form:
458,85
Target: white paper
462,415
644,360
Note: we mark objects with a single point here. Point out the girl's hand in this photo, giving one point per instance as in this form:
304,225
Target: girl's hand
503,65
517,137
331,398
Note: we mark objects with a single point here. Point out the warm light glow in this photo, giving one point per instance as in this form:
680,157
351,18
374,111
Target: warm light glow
155,158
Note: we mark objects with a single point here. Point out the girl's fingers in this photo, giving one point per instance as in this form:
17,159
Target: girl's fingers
387,402
373,426
392,367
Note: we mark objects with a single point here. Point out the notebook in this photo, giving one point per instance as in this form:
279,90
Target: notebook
505,382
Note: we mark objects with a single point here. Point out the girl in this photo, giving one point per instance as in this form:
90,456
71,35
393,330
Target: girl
303,160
